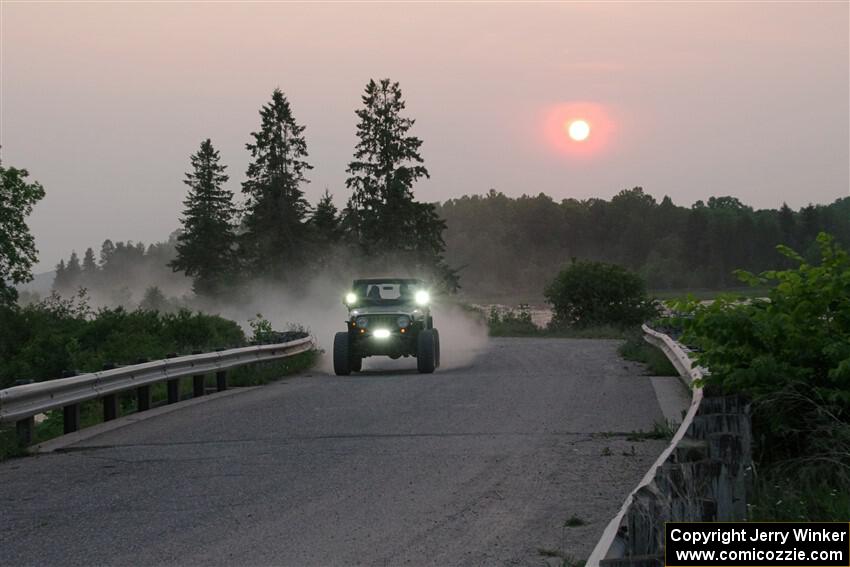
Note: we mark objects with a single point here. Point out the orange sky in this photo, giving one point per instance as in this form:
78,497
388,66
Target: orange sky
104,102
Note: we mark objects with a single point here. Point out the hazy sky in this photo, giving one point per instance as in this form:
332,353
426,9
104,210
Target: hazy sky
104,102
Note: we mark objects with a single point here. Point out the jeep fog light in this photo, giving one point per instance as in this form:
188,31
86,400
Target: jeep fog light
350,298
422,297
381,334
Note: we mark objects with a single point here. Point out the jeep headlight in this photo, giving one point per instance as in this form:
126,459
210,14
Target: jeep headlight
403,322
350,298
422,297
361,322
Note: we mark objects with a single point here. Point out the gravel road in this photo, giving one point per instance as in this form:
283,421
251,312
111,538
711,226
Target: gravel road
479,465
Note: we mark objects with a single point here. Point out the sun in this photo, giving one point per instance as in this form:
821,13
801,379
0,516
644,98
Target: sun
578,130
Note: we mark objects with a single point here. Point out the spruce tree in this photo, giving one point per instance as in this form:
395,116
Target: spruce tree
274,242
60,279
205,248
89,264
73,271
325,219
107,249
382,212
89,268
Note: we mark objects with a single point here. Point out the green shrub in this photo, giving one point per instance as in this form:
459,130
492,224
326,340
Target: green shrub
45,340
790,354
512,323
638,350
586,293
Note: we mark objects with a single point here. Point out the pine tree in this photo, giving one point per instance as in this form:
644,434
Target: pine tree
274,243
382,212
89,268
154,300
205,248
325,219
73,271
60,279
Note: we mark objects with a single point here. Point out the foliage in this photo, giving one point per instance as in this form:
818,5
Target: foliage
382,215
517,244
636,349
205,247
275,232
512,323
57,336
593,293
17,246
789,353
259,374
778,497
155,300
262,329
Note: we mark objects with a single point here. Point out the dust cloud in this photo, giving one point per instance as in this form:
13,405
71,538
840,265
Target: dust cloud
319,309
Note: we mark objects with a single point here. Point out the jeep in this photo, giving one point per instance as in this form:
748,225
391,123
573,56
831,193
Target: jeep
387,317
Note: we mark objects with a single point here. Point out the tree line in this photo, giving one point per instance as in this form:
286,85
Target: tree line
515,246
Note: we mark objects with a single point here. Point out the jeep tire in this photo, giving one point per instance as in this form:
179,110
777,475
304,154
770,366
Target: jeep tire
426,351
342,358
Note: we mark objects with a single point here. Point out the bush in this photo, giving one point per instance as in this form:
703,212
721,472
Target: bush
585,294
636,349
44,340
790,354
511,323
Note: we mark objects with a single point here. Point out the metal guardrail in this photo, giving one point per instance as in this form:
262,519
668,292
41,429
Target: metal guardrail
678,355
20,403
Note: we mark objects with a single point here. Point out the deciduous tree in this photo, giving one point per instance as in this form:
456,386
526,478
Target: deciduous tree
17,246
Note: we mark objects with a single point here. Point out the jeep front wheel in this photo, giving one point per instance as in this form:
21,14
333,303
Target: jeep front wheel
426,351
342,358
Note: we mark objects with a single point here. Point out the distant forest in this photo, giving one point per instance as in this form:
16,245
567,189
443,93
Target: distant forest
503,246
510,248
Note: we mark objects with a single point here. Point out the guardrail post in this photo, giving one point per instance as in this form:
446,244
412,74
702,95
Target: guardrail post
198,385
110,402
172,387
198,381
143,398
25,428
71,417
173,390
110,407
221,380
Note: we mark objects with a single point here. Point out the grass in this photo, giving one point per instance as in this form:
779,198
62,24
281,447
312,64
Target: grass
91,413
9,447
638,350
660,430
778,498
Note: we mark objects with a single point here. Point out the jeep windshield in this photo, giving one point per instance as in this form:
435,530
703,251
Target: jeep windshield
385,291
